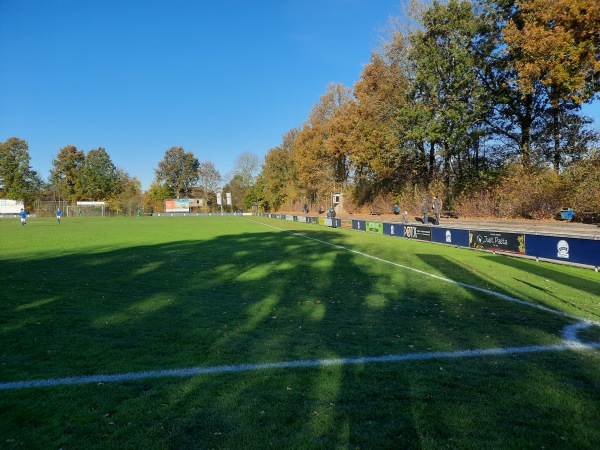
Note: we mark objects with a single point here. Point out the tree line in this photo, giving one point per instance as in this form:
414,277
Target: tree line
478,101
92,176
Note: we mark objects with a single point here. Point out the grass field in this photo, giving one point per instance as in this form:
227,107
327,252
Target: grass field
230,332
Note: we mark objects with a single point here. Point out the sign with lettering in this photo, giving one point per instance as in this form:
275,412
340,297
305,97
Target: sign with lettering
497,241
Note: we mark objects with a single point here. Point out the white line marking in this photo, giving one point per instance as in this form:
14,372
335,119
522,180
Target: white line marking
194,371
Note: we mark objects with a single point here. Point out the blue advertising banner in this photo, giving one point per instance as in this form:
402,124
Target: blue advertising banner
450,236
393,229
566,249
360,225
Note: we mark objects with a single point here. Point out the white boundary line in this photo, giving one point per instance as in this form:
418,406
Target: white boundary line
570,342
213,370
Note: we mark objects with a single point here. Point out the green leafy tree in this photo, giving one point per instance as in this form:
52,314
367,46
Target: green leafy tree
128,193
156,196
17,179
65,176
237,188
99,179
178,171
446,83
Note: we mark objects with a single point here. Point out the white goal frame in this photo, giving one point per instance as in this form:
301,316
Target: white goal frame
84,209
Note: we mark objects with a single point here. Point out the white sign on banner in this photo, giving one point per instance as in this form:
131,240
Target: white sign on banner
219,200
11,206
228,195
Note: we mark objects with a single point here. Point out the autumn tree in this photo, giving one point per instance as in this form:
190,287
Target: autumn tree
557,45
178,171
65,176
321,169
375,141
515,117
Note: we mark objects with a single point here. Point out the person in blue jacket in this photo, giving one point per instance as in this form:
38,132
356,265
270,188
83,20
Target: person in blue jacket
23,217
58,214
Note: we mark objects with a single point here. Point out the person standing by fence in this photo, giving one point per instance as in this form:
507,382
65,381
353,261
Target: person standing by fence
425,211
437,209
58,214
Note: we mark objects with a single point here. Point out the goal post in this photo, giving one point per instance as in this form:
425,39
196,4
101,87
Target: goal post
86,209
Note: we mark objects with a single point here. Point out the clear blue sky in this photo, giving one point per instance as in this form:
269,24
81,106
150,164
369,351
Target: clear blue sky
137,77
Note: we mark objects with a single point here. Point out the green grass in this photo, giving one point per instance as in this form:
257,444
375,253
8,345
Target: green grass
117,295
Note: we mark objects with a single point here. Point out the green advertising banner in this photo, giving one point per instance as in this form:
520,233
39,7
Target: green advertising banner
375,227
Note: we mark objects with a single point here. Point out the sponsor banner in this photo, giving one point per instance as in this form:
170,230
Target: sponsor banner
573,250
228,197
314,220
11,206
321,220
302,219
374,227
393,229
359,225
449,236
497,241
328,222
219,199
182,205
346,224
289,217
417,232
336,223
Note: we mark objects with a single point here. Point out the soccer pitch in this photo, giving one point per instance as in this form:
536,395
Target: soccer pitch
231,332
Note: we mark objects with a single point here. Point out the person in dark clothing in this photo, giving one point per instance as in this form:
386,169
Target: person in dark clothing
425,211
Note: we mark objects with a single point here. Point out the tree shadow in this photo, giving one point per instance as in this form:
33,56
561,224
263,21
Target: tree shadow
252,298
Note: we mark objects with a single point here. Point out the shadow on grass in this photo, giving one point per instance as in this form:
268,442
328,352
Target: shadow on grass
251,298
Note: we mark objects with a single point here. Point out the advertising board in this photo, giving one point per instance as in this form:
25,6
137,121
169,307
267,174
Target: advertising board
417,232
393,229
346,224
565,249
374,227
449,236
177,205
359,225
497,241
